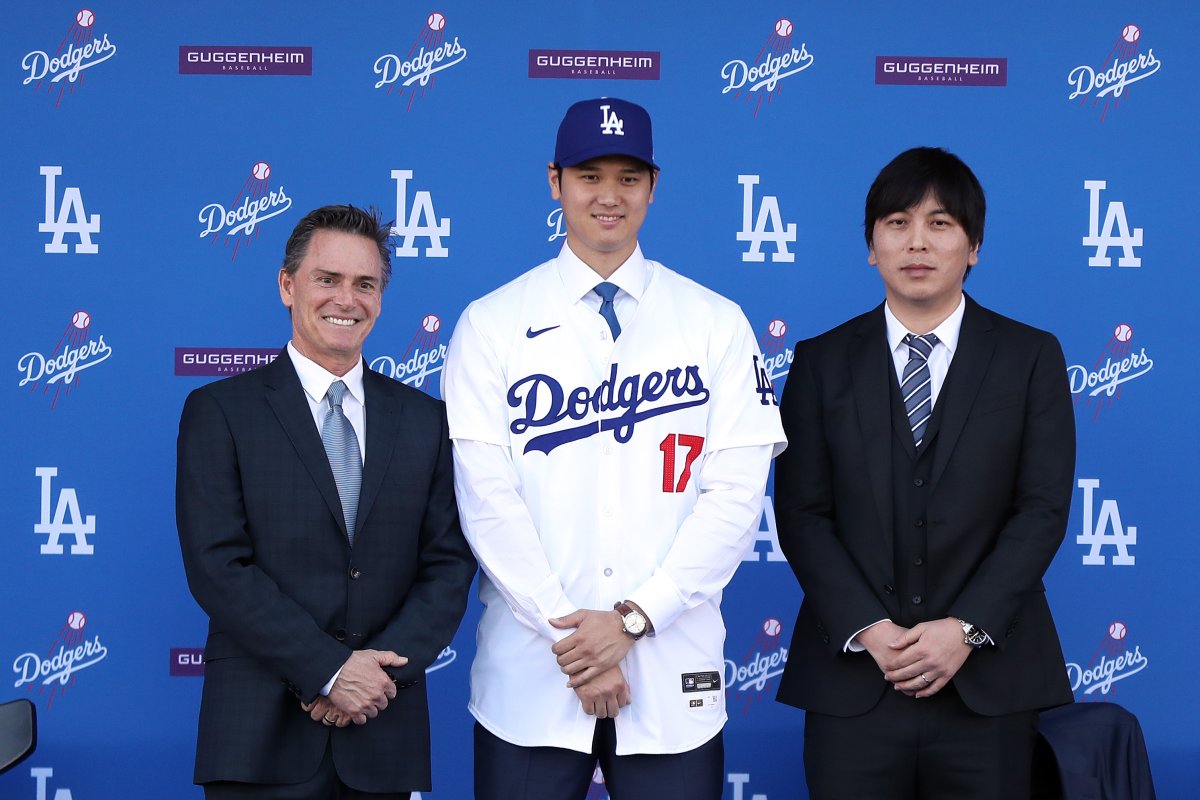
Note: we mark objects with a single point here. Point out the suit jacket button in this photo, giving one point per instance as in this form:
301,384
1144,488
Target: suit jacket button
340,635
920,523
825,639
916,599
918,561
354,573
919,482
888,588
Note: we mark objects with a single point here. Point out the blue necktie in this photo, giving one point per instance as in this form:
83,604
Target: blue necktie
341,445
916,385
607,292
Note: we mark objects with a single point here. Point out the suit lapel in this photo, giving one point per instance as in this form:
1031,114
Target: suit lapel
976,344
871,369
383,424
286,398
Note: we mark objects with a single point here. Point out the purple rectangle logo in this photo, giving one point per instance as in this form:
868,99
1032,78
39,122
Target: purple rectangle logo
187,662
221,361
940,71
205,59
629,65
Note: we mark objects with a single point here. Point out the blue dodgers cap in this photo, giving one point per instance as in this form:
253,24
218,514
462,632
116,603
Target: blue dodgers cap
606,126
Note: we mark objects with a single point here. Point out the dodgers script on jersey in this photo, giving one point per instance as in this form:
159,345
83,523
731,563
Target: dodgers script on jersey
610,489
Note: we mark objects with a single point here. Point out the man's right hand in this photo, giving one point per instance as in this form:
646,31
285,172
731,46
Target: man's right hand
362,688
604,695
878,640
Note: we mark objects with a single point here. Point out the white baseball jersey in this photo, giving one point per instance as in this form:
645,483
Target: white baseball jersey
590,471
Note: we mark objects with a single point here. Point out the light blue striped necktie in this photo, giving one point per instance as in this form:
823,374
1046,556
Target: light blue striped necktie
916,384
607,292
345,459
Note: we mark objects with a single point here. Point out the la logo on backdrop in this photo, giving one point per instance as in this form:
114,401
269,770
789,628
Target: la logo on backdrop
414,72
1107,85
51,671
81,48
761,78
255,203
57,373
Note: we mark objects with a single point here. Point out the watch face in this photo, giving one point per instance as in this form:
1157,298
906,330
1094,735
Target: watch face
635,623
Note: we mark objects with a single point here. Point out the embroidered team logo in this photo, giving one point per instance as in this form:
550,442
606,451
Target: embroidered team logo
51,674
1115,232
1103,529
1124,65
610,123
82,48
777,356
255,203
1112,662
1118,363
762,77
414,72
746,682
424,357
57,373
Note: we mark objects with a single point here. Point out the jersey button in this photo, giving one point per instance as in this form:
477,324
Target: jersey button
608,572
608,512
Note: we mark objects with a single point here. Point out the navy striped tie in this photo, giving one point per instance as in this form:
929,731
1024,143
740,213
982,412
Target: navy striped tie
916,384
607,292
341,445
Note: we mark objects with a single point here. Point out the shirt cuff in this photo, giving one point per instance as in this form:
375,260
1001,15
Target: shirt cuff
328,687
852,645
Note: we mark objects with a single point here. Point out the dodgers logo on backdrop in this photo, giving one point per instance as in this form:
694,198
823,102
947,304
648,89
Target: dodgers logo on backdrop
546,404
768,227
244,60
219,362
762,77
409,225
71,216
1104,238
636,65
444,659
747,680
1123,66
255,203
1103,529
424,357
74,352
1118,363
82,48
429,55
777,356
51,671
68,520
1112,663
554,221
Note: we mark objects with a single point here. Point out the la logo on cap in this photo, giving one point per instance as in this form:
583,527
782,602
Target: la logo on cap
611,123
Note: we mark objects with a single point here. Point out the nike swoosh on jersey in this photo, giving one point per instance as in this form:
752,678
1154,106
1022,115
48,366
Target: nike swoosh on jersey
532,334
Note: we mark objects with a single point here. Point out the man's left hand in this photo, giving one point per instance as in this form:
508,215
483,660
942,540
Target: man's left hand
933,653
597,645
323,711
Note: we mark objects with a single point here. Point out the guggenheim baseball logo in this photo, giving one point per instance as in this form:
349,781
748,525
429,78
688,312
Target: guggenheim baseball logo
220,362
940,71
1124,65
187,662
429,54
629,65
761,77
52,671
205,59
82,48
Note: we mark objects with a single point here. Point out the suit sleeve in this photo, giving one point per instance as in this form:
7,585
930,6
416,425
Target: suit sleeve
1041,501
805,511
242,601
434,605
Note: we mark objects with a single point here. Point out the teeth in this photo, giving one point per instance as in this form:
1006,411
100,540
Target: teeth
340,321
603,218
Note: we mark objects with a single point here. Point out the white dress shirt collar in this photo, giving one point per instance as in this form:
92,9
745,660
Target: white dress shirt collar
316,379
947,331
580,279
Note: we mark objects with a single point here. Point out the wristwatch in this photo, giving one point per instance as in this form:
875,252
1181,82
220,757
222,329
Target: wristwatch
973,636
633,621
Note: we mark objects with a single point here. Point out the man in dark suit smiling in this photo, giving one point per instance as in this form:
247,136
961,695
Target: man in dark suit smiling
924,493
319,531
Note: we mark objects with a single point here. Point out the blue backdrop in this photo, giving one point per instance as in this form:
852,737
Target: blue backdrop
157,156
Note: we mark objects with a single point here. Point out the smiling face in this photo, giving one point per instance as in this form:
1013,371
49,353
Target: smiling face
922,254
604,203
334,297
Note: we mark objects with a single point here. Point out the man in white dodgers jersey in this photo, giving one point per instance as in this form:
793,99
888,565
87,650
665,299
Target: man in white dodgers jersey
613,427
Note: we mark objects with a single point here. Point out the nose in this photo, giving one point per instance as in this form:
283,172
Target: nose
916,238
607,196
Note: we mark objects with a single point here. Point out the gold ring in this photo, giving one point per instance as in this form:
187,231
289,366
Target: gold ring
327,720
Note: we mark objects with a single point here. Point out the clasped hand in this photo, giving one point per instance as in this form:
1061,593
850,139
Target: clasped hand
917,661
590,656
361,691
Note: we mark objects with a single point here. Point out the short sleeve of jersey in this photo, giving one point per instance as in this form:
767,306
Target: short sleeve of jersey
745,411
473,384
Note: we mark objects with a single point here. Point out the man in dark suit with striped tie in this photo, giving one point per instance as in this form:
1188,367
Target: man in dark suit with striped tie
319,532
923,494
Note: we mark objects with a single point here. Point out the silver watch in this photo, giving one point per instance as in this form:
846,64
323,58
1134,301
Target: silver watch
973,636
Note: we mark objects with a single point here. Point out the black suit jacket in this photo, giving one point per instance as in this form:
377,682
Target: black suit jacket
998,499
265,550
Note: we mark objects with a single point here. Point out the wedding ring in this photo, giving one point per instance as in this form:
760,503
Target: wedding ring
927,681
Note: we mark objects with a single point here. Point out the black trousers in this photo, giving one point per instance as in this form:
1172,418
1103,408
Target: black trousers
505,771
934,748
324,785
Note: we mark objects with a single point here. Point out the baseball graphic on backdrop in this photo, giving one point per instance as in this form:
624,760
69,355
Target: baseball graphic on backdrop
85,18
76,620
777,328
1117,630
772,627
1131,33
1123,333
261,171
81,319
784,27
436,21
431,323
